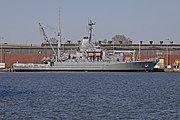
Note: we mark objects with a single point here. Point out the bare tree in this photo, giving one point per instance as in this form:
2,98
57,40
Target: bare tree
121,39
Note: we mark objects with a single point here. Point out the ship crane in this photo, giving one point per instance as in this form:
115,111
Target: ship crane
46,39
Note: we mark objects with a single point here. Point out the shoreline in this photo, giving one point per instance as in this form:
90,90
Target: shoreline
161,70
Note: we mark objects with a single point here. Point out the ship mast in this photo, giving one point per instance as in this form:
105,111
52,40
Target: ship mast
90,24
59,37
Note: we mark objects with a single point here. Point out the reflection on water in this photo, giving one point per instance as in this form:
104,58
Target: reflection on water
90,96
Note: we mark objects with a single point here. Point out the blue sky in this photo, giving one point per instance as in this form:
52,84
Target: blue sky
138,19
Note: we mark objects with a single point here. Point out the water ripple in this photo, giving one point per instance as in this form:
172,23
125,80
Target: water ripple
90,96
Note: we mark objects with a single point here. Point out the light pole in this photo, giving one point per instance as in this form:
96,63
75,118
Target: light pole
1,38
167,55
139,56
168,45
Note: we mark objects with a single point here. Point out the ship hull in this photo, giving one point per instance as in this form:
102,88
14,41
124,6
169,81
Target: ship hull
88,66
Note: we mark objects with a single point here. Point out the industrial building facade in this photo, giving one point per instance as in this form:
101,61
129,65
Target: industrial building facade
11,53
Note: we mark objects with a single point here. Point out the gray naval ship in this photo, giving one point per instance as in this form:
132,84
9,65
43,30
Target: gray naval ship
88,57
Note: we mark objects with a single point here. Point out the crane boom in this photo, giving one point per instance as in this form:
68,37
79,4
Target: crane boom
46,38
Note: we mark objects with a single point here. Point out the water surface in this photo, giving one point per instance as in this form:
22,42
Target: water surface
90,96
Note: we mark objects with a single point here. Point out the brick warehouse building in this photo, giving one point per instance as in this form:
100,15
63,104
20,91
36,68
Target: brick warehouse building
12,53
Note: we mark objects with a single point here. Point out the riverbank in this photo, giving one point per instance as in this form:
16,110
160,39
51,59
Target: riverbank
6,70
172,70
